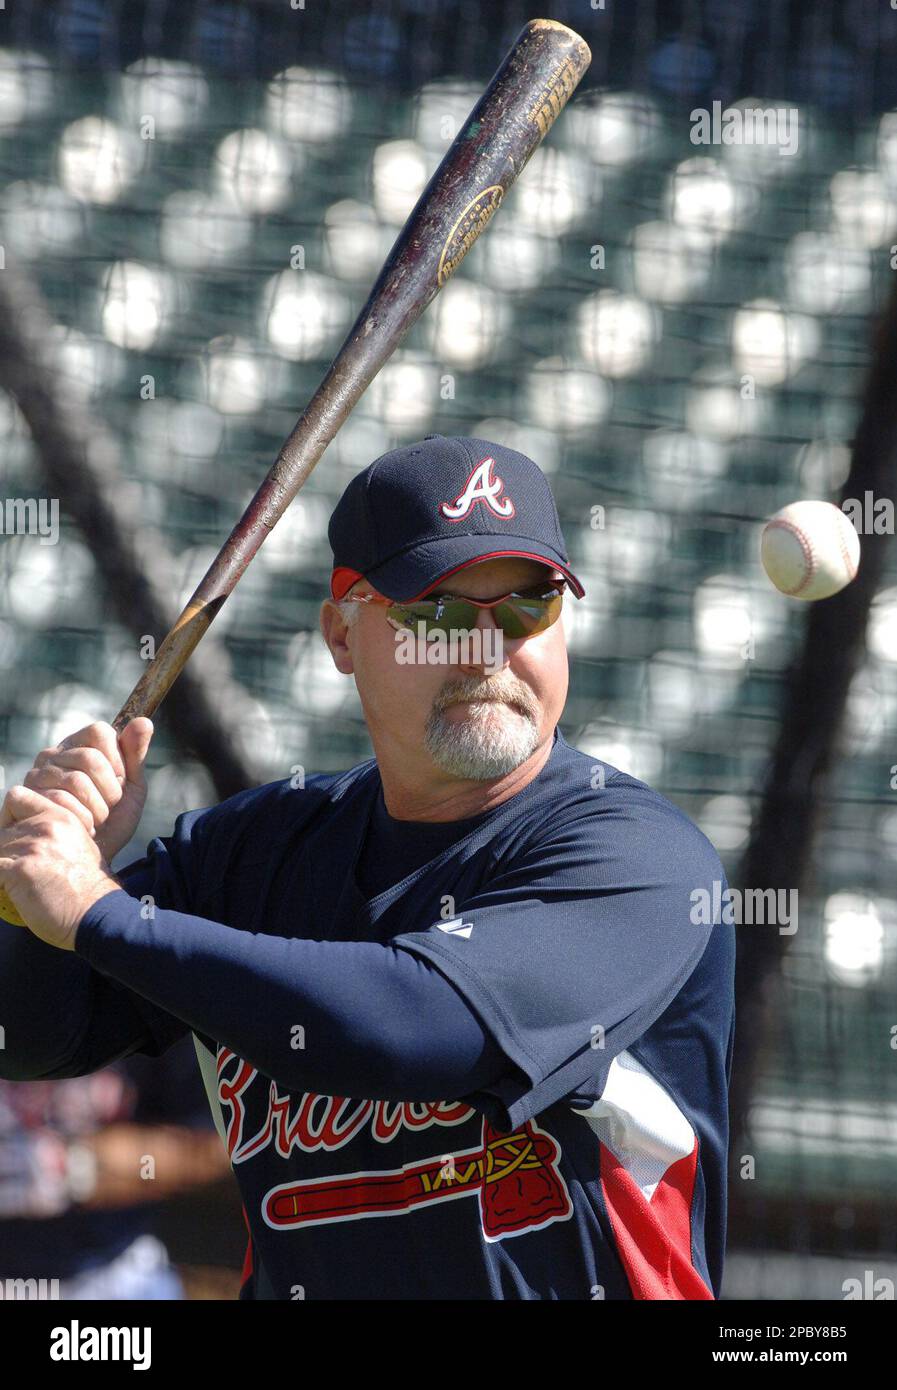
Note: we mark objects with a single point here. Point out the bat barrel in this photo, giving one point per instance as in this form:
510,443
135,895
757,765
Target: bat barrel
515,113
513,116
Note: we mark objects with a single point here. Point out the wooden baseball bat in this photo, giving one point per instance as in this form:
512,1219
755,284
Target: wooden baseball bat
514,114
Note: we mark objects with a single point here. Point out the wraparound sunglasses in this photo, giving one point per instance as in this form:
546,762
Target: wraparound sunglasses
520,614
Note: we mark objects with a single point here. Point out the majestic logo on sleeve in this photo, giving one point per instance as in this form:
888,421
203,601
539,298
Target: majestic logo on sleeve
482,487
515,1178
456,927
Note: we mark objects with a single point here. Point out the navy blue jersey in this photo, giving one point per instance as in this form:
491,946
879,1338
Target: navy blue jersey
538,1019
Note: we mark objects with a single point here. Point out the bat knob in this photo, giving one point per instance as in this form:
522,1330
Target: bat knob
8,912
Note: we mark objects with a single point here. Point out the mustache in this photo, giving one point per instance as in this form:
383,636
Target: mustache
485,692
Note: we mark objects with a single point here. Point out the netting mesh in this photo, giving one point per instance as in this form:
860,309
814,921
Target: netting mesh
677,332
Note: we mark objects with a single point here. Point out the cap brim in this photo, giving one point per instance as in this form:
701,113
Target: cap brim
415,573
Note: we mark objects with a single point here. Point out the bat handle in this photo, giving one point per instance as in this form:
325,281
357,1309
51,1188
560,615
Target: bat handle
191,625
8,911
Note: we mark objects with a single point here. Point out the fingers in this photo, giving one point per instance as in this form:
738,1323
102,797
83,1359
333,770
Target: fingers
85,774
21,802
134,743
94,766
36,821
71,803
99,736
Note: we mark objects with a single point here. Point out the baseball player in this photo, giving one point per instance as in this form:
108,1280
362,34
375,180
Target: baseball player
471,1038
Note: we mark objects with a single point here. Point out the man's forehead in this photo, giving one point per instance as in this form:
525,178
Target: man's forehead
506,564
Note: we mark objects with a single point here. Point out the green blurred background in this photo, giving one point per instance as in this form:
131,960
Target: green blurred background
199,196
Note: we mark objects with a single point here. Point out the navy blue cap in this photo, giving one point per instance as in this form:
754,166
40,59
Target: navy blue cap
419,513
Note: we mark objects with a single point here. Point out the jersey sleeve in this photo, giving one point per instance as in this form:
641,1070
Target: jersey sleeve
163,878
570,952
180,870
63,1018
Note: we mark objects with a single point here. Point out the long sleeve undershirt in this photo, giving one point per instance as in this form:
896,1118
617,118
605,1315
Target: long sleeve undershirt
338,1018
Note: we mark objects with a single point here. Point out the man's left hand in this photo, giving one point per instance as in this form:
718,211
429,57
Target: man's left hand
50,866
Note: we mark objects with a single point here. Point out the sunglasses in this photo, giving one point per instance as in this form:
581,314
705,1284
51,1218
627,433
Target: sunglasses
521,614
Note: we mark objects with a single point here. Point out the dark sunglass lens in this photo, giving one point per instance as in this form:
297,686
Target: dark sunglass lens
437,615
524,617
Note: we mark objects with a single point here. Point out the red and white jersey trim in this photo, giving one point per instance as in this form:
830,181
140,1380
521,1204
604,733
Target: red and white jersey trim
648,1165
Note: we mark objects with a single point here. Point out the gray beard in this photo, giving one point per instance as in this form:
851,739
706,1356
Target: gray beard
480,747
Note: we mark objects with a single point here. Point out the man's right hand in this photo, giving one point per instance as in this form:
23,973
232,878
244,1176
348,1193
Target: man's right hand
99,778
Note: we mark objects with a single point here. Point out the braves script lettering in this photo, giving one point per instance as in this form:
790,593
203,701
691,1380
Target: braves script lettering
515,1178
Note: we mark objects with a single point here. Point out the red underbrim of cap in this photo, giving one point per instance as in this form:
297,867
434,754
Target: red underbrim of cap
342,578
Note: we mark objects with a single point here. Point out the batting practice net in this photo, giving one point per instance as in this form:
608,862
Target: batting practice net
671,315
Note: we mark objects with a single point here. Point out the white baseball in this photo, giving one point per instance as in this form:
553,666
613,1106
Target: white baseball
810,550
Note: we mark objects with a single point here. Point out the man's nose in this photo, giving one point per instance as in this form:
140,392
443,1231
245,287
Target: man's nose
487,648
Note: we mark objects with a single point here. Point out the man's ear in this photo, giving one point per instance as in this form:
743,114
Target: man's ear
335,631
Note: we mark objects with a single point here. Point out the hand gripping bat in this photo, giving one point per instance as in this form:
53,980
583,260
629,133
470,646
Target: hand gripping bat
514,114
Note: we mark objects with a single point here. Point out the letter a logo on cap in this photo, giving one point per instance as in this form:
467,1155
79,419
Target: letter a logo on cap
480,487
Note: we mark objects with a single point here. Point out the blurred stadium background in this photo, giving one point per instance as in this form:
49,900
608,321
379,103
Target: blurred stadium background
195,198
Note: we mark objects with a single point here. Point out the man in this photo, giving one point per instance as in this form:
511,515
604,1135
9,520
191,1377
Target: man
473,1041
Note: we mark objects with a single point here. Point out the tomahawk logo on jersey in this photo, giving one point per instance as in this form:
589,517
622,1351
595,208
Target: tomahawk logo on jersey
529,1156
592,1166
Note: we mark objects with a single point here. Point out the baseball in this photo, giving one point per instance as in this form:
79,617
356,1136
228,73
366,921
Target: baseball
810,550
